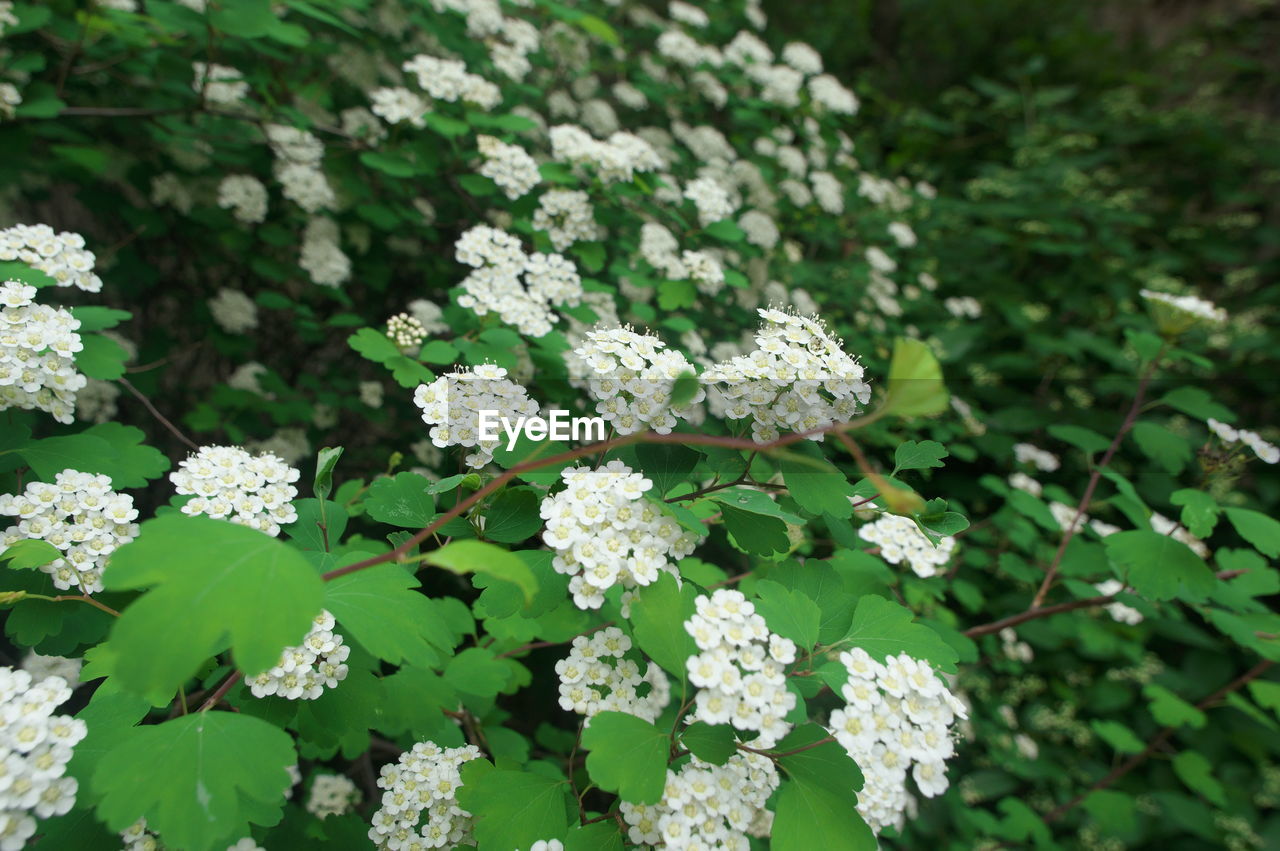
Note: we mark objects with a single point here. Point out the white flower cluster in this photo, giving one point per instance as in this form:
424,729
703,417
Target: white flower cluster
711,199
7,17
760,229
605,532
322,257
10,100
448,80
429,314
900,539
1021,481
37,354
496,284
1119,611
1267,452
1025,453
1191,305
35,747
406,332
423,782
219,84
234,311
827,93
303,672
298,154
227,482
61,256
331,795
566,216
509,166
595,677
452,403
78,514
898,716
616,160
245,196
1065,515
137,837
740,669
799,379
631,379
169,190
396,104
706,805
40,666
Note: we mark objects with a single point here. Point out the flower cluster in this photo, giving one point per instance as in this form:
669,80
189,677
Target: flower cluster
40,666
616,160
396,104
331,795
509,166
1119,611
219,84
605,532
706,805
452,403
448,80
1183,309
245,196
1025,453
799,379
711,200
322,257
227,482
740,667
406,332
900,539
78,514
423,782
566,216
297,167
1267,452
36,746
234,311
631,378
595,677
496,285
898,716
61,256
37,354
305,671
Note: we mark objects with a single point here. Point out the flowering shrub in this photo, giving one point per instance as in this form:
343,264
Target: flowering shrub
280,268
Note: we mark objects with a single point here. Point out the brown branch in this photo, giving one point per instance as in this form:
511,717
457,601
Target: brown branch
164,421
85,598
776,755
1158,741
1032,614
221,691
1130,418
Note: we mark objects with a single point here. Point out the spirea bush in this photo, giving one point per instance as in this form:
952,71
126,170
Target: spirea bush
297,297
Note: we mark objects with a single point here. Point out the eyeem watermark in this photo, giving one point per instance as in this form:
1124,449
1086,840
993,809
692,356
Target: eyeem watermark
559,425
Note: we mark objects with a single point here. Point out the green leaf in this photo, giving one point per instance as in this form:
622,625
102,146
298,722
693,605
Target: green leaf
684,388
1118,736
476,671
213,583
451,128
30,553
591,254
472,556
373,345
438,352
513,516
514,809
918,456
377,608
809,815
598,28
95,318
789,613
130,463
710,743
401,500
725,230
1196,403
199,780
1171,710
1157,566
814,482
1162,446
1196,771
666,464
673,295
756,522
1258,529
883,628
1199,511
325,463
102,357
627,755
244,18
915,381
1084,439
657,616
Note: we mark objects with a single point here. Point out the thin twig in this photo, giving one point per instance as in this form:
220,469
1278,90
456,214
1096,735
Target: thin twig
221,691
1032,614
164,421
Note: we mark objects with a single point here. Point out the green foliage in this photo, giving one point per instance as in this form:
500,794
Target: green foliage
628,755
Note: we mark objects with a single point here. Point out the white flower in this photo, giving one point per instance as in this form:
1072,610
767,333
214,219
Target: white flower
234,311
711,199
38,344
219,84
452,403
596,677
331,795
420,799
1025,453
900,539
520,288
566,216
1119,611
61,256
631,377
1191,305
397,104
304,671
36,746
245,196
615,160
229,483
322,257
509,166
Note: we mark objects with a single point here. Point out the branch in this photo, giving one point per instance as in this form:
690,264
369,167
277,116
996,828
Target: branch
1032,614
1130,418
1158,741
221,691
776,755
164,421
